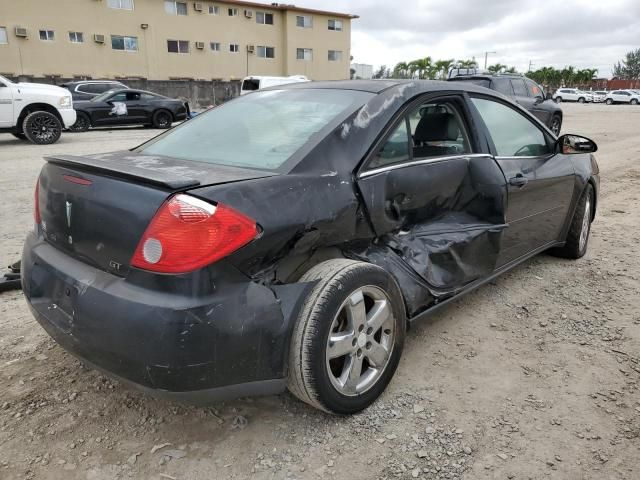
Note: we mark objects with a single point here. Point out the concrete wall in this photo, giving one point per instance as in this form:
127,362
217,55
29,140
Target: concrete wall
152,27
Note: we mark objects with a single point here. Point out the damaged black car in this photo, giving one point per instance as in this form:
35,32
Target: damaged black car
288,238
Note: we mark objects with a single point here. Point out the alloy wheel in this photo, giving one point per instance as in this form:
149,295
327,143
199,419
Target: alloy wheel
44,128
586,224
360,341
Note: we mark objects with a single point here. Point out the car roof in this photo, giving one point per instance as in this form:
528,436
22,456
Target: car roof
76,82
134,90
379,86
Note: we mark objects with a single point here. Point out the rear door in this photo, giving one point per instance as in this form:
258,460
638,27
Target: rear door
433,196
540,183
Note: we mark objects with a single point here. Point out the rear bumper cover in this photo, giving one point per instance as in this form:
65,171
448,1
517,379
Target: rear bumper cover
195,348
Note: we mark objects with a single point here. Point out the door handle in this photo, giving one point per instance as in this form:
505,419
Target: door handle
518,181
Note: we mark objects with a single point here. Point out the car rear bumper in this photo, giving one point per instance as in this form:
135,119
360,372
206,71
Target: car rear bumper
184,347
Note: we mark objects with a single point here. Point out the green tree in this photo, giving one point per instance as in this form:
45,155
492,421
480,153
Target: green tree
401,70
629,67
497,68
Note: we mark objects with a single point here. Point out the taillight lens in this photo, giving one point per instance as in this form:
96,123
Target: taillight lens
187,234
36,204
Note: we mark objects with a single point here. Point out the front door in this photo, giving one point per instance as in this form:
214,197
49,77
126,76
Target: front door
433,198
540,183
6,106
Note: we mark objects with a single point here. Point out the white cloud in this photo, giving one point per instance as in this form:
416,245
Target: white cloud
584,33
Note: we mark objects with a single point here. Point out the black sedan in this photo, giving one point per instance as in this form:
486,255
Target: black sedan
128,107
288,237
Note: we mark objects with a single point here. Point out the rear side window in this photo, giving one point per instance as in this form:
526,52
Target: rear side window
503,85
519,87
512,133
262,130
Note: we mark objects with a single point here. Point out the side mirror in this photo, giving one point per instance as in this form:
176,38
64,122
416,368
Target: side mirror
571,144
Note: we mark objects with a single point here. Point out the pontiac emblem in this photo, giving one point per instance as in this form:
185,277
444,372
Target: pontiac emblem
69,214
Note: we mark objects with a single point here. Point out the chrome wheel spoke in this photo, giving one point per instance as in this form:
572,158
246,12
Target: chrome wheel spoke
378,315
356,311
352,374
377,355
340,344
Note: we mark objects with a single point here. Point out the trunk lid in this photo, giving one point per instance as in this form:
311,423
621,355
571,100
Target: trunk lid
96,208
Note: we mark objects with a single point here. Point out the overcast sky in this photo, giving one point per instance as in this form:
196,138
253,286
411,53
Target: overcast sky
586,34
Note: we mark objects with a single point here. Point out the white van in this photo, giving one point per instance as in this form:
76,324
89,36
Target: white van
253,83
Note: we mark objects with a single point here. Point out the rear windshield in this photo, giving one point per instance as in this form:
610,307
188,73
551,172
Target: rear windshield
262,130
250,85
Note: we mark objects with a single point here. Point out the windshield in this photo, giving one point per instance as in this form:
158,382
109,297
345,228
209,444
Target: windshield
103,96
262,130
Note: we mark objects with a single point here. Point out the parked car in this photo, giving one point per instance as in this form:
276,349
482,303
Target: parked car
623,96
522,90
34,111
572,95
88,89
288,237
129,107
256,82
599,96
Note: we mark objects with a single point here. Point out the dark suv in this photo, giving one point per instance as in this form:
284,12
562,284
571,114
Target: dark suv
521,90
87,89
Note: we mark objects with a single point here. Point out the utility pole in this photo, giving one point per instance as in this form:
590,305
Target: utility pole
530,65
486,54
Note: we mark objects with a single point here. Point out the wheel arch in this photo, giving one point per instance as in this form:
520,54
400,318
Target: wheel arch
37,107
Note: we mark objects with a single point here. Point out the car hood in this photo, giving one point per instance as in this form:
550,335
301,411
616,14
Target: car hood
43,87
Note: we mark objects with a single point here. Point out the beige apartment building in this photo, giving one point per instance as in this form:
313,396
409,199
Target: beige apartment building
164,40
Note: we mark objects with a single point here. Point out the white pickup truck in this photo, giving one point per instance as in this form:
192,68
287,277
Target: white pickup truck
35,111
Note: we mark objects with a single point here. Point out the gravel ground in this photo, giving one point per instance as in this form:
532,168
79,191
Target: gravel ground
533,376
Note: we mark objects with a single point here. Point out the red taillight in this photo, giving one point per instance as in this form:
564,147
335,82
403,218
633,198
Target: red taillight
187,234
36,204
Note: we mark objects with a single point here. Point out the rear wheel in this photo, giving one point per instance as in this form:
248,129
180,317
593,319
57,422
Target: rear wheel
609,101
348,338
581,100
634,101
20,136
578,236
42,128
558,99
556,124
83,122
162,119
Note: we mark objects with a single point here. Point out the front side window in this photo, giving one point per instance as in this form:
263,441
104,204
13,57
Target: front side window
175,8
304,21
47,35
3,36
262,130
76,37
335,25
264,18
266,52
395,149
234,47
127,44
120,4
534,89
304,54
178,46
513,134
335,55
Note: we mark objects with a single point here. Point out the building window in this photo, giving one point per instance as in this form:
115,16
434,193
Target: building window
335,56
127,44
304,54
233,12
3,36
264,18
215,46
304,21
175,8
266,52
214,10
76,37
335,25
47,35
120,4
178,46
234,47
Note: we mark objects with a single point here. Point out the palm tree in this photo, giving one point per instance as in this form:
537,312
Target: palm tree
401,70
442,68
422,66
511,70
468,63
497,68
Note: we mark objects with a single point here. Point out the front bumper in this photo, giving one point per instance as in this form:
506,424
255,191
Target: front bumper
190,347
68,116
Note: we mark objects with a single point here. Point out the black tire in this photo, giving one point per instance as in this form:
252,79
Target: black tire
634,101
582,218
42,128
311,373
609,101
20,136
162,119
83,122
581,100
556,124
558,99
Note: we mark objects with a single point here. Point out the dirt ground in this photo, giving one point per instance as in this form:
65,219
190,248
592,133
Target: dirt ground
533,376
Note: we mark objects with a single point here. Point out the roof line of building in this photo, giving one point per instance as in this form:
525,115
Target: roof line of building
285,6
